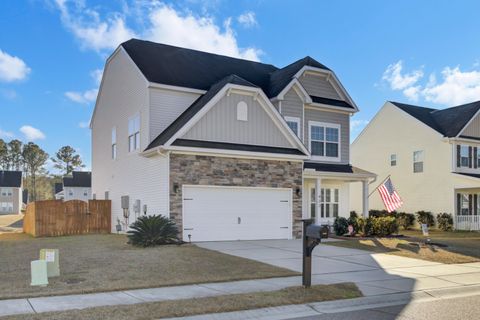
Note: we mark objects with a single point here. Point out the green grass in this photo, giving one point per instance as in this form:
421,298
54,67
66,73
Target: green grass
225,303
94,263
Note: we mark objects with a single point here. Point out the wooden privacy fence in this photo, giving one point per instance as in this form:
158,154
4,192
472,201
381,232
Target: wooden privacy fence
58,218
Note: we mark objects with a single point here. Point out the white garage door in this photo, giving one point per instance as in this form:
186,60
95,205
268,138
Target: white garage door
230,213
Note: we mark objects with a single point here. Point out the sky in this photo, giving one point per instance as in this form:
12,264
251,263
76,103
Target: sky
52,52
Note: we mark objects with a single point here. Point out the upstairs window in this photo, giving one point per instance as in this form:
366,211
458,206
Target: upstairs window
134,133
114,143
294,124
242,111
6,192
418,161
464,156
324,140
393,160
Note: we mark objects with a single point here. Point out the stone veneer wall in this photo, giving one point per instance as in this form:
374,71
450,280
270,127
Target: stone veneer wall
222,171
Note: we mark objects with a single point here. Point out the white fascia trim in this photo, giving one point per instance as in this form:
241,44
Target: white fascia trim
297,87
330,108
337,85
468,123
119,48
464,140
235,153
156,85
266,104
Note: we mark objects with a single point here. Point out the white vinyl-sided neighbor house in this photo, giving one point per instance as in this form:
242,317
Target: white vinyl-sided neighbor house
228,148
432,156
11,193
77,186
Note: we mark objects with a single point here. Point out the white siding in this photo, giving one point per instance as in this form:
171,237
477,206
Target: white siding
317,85
77,193
165,107
124,93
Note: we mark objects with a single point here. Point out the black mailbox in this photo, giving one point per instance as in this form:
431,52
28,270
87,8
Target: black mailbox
316,231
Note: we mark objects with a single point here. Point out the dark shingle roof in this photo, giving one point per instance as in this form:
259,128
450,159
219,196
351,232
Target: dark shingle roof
449,122
473,175
332,102
78,179
332,167
58,187
12,179
196,107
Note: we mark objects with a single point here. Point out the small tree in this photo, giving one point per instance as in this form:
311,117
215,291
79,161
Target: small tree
35,159
67,160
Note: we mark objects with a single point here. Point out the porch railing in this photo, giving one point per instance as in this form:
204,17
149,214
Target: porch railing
470,223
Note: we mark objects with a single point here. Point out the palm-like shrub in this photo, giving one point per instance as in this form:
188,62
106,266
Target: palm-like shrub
153,230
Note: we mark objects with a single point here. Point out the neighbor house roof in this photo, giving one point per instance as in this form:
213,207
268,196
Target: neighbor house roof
78,179
449,122
473,175
12,179
58,187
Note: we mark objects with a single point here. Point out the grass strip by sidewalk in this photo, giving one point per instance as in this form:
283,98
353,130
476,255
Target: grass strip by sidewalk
187,307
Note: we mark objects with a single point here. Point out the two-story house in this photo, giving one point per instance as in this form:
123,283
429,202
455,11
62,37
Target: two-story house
11,194
432,156
77,186
230,149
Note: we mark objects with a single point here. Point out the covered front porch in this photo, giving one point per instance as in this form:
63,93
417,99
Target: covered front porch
326,194
467,213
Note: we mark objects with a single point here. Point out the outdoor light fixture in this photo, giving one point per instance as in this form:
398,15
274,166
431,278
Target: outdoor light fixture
175,187
297,191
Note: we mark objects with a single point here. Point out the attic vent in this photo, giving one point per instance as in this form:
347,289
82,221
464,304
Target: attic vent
242,111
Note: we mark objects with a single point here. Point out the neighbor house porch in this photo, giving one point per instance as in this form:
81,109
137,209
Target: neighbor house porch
467,213
326,191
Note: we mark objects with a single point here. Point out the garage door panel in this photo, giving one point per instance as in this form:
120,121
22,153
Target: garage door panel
226,213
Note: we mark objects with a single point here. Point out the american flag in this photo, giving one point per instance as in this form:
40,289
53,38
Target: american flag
390,197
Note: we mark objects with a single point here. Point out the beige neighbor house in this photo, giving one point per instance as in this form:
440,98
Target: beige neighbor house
230,149
11,193
432,156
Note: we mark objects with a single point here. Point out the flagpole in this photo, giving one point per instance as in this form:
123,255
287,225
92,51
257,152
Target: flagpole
379,185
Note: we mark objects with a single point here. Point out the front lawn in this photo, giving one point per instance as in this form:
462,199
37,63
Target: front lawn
187,307
94,263
461,247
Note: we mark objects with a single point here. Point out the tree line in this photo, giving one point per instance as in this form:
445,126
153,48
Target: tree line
32,160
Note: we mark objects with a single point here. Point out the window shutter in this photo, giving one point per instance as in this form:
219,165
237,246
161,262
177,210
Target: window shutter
475,160
458,155
470,156
459,204
475,204
470,204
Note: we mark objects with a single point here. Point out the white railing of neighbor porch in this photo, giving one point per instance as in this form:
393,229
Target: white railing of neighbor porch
470,223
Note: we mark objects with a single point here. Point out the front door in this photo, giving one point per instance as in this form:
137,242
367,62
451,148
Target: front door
329,204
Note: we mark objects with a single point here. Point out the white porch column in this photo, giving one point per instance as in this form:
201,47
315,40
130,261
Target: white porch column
318,186
365,198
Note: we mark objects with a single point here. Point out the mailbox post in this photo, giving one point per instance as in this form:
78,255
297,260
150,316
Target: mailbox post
312,235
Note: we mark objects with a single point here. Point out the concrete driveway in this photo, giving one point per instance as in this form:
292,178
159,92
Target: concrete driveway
374,274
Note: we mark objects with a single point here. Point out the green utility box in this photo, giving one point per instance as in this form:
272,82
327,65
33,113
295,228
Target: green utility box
51,256
39,273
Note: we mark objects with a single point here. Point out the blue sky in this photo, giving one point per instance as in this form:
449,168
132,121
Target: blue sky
52,52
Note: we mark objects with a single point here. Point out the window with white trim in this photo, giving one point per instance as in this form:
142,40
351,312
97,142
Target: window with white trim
70,192
6,206
242,111
393,160
85,192
6,192
114,143
134,133
464,156
464,204
324,140
478,157
418,161
329,201
294,124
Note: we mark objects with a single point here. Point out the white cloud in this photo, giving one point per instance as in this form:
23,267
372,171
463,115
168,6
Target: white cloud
398,81
159,22
412,93
357,124
82,97
97,76
84,124
6,134
31,133
12,68
247,19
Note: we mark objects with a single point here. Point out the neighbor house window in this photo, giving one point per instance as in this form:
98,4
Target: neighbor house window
134,133
324,140
106,195
6,206
464,204
6,192
85,193
70,192
114,143
294,124
464,156
478,157
393,160
418,161
242,111
329,199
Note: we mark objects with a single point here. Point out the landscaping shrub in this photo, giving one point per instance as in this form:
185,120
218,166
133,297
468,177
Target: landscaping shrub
384,226
445,221
153,230
425,217
353,214
365,226
340,226
378,213
353,221
405,220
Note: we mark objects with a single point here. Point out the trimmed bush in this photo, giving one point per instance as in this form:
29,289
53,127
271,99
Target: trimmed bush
353,221
154,230
353,214
340,226
365,226
445,221
425,217
378,213
384,226
405,220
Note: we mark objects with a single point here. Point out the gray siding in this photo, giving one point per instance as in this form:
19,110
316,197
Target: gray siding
343,120
292,106
15,198
220,124
317,85
473,129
